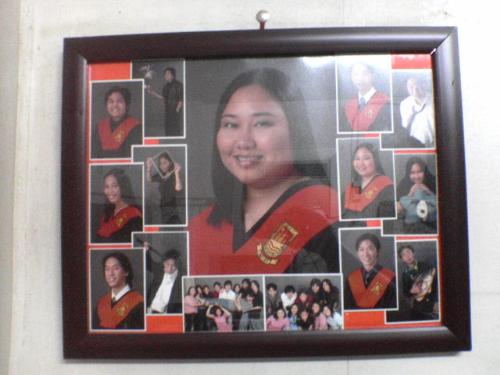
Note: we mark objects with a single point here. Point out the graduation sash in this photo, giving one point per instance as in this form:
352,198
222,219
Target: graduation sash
118,221
113,140
357,200
273,246
362,120
111,316
368,297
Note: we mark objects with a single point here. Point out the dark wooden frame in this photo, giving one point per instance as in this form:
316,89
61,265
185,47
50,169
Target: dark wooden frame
453,335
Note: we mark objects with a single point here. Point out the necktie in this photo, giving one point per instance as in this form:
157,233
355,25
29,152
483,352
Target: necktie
362,103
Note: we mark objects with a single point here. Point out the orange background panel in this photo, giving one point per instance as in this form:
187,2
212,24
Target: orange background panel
151,141
364,319
371,135
374,223
411,61
164,324
151,229
414,151
109,71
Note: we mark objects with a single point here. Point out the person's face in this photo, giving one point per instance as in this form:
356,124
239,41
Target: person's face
112,190
237,288
164,164
416,174
407,256
303,297
294,309
315,308
362,78
245,285
326,286
254,287
116,106
414,89
315,288
304,314
169,77
114,273
280,314
364,163
367,254
206,290
254,138
169,266
192,292
289,295
327,311
217,287
271,292
227,287
218,312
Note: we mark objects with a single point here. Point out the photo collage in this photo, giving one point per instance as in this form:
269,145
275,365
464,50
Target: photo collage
262,194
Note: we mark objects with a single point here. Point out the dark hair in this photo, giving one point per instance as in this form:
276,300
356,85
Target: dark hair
402,247
123,91
271,286
370,237
172,254
356,178
405,185
315,282
275,314
289,288
125,190
124,263
217,283
255,282
189,290
228,282
169,69
166,155
229,192
327,281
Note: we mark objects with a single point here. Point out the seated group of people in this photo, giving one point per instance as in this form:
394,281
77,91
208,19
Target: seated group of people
313,309
224,308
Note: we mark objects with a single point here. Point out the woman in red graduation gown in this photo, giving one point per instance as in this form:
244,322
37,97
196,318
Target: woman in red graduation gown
120,216
118,131
370,194
274,212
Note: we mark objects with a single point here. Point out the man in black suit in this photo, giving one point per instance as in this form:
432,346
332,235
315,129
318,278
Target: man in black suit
164,294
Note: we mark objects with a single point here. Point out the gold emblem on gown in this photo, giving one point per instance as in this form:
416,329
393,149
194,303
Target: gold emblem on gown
270,251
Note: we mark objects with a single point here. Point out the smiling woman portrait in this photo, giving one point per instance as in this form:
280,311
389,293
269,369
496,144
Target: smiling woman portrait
274,211
117,131
370,193
120,215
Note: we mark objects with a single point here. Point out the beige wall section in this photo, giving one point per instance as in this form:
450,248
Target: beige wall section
9,19
36,345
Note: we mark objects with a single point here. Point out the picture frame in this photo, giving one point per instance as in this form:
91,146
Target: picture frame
446,247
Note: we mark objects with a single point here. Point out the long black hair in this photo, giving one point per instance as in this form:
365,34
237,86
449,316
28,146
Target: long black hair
405,185
229,192
126,190
379,170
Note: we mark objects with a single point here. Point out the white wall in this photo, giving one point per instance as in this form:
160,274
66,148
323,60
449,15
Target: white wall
36,339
